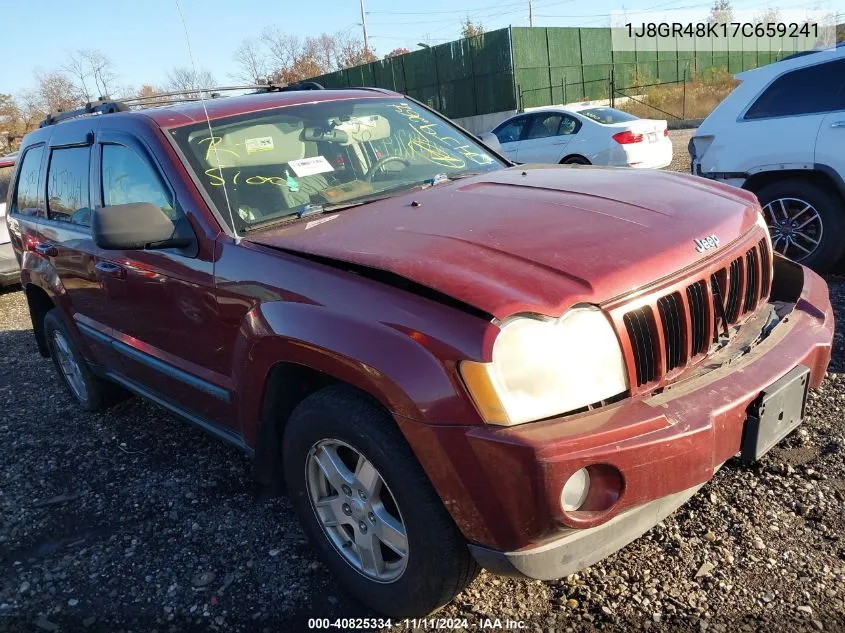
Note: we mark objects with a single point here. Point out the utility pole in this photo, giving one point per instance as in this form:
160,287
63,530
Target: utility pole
364,26
530,13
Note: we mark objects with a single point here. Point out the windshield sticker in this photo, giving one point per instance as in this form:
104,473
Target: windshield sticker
260,144
310,166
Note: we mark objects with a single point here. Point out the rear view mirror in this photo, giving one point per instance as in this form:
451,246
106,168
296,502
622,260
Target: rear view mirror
491,141
135,226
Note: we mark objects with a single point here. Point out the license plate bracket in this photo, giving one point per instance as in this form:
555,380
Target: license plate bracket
775,414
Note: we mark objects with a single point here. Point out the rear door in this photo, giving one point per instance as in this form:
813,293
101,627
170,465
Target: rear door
26,201
64,234
830,144
781,126
546,138
510,134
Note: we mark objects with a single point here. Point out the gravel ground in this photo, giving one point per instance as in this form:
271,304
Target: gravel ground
134,521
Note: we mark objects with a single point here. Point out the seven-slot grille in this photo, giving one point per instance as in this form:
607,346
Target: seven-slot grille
685,323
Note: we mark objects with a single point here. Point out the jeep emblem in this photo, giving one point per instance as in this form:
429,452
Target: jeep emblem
706,243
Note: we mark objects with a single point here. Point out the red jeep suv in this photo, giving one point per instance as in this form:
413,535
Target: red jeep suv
449,361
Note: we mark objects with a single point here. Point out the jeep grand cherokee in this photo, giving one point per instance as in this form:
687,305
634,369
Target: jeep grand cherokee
448,360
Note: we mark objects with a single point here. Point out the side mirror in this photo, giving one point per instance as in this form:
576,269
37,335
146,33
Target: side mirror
491,141
135,226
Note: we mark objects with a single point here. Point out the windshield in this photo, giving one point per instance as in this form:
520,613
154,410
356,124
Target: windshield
607,116
283,162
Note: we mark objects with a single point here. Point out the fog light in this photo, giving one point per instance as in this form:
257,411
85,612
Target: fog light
575,491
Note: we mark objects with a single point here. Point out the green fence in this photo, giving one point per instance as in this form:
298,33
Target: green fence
461,78
522,67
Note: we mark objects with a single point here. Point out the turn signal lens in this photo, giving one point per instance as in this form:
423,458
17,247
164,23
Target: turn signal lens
574,492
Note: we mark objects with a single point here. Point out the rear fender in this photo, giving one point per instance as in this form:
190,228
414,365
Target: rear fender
37,271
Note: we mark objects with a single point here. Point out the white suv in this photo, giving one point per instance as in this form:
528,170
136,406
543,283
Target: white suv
781,134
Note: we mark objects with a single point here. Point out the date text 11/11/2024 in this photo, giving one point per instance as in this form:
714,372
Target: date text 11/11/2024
723,29
444,624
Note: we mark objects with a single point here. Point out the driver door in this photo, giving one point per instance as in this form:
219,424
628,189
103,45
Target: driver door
161,303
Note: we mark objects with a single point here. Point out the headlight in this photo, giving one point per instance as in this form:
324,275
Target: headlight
542,368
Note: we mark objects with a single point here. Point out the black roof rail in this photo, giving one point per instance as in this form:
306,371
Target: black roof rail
108,106
92,107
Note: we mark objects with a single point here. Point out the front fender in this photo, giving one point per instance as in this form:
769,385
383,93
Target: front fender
395,366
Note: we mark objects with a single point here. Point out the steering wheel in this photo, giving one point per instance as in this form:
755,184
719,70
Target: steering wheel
381,162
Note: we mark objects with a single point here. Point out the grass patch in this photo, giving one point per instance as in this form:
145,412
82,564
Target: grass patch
704,92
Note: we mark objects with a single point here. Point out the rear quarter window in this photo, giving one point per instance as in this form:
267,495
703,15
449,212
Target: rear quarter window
5,181
607,116
29,180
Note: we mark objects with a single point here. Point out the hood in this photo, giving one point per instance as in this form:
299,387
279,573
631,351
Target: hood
530,238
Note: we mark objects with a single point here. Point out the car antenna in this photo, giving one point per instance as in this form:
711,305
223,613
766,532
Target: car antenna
208,121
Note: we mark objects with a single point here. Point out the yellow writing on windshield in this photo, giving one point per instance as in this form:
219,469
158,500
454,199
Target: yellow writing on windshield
434,141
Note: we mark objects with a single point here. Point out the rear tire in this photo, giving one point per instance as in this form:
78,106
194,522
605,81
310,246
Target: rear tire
437,564
828,227
90,392
575,160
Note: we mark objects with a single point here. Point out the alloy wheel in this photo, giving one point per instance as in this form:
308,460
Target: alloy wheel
358,513
795,226
69,366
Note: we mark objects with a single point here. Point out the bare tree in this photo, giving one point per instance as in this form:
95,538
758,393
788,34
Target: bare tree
721,13
284,48
324,50
12,124
93,74
470,28
55,92
189,81
769,16
351,50
252,62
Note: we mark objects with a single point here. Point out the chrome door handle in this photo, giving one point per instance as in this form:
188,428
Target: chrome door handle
110,269
46,249
838,124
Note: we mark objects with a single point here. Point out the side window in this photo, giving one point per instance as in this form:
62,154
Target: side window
29,179
67,186
544,126
511,131
811,90
129,178
569,125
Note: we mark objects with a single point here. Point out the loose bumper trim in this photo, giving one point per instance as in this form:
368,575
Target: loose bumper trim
578,549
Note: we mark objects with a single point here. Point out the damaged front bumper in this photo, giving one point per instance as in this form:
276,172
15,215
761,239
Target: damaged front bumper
651,454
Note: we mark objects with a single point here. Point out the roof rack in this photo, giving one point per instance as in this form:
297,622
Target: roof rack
104,105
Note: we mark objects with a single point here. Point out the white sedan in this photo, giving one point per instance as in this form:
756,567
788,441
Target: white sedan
583,134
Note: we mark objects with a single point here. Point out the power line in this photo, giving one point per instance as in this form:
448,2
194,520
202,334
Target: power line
451,11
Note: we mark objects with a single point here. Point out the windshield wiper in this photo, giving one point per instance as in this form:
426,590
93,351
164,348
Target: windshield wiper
444,177
317,209
310,209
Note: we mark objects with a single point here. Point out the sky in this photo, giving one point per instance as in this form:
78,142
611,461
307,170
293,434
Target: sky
145,38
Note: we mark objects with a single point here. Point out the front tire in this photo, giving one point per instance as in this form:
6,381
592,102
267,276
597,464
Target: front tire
368,508
91,392
806,221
